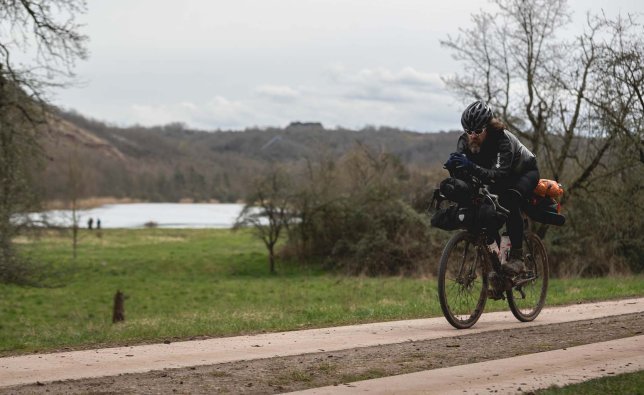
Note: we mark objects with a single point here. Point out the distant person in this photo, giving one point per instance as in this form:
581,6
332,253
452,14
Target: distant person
98,223
90,223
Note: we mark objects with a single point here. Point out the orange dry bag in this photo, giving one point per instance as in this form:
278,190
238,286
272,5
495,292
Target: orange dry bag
548,188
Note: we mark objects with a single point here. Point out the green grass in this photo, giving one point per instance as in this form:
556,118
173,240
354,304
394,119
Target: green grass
186,283
623,384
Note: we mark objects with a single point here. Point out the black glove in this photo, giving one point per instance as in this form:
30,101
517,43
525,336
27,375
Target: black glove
457,160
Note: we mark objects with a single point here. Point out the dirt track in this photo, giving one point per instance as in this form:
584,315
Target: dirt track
327,356
510,375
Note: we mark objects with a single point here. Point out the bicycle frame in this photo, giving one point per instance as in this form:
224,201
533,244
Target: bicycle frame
492,263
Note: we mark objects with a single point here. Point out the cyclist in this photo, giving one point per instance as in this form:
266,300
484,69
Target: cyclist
488,151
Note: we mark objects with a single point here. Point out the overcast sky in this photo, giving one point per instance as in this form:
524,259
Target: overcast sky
234,64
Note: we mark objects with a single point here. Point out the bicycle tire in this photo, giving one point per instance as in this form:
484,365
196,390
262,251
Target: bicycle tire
536,259
462,314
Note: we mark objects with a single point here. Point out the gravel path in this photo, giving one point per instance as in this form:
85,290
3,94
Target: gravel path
510,375
290,361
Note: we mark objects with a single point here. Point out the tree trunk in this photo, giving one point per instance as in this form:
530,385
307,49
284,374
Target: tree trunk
271,258
119,307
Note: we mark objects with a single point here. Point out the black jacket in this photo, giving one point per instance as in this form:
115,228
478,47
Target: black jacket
501,158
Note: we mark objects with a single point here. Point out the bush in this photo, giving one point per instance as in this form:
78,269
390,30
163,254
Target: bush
603,233
384,238
354,219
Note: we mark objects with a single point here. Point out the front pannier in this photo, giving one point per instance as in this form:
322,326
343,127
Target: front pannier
452,218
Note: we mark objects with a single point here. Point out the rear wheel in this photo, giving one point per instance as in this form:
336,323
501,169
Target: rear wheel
462,285
527,299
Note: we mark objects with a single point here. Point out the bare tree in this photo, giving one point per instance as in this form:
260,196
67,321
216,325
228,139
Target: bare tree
268,209
578,105
549,91
75,186
17,150
48,34
617,94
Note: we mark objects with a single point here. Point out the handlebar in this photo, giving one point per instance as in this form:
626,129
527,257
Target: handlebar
481,187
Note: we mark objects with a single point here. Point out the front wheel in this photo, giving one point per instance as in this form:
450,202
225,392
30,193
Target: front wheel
527,299
462,285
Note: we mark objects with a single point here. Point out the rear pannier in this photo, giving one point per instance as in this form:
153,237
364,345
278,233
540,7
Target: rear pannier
544,206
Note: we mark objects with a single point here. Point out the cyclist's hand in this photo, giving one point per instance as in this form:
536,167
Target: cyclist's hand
451,163
460,161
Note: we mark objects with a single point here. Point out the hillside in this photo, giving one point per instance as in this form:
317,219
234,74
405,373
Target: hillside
171,162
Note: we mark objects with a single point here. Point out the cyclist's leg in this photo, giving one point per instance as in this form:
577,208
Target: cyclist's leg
512,198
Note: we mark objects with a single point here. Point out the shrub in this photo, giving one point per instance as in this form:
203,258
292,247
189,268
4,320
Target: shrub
353,217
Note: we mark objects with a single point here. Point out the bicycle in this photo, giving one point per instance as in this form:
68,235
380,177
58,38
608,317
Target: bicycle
470,271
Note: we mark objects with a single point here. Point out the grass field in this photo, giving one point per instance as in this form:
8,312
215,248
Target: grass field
188,283
629,383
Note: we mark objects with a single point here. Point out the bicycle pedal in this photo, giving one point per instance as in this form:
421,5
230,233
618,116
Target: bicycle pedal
495,295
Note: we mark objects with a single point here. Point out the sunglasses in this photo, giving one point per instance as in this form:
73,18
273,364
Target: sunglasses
475,131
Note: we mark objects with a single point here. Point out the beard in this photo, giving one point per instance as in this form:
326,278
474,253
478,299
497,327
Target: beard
474,146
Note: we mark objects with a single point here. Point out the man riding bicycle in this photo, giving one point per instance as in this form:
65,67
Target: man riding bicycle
488,151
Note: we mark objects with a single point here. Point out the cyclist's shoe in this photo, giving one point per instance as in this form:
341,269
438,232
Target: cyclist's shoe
514,265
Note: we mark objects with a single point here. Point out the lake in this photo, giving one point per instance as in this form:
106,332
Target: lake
165,215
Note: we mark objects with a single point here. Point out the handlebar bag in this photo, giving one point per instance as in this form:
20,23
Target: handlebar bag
456,190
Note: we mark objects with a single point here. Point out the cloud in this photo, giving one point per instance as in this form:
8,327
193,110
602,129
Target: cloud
407,76
277,92
405,98
216,112
381,84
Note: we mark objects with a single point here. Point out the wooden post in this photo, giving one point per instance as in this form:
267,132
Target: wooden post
119,307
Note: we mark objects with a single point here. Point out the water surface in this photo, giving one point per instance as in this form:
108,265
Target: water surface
165,215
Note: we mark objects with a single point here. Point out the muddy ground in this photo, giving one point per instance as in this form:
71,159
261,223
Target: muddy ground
283,374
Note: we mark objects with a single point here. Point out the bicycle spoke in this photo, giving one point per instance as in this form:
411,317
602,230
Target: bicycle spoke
527,306
462,290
